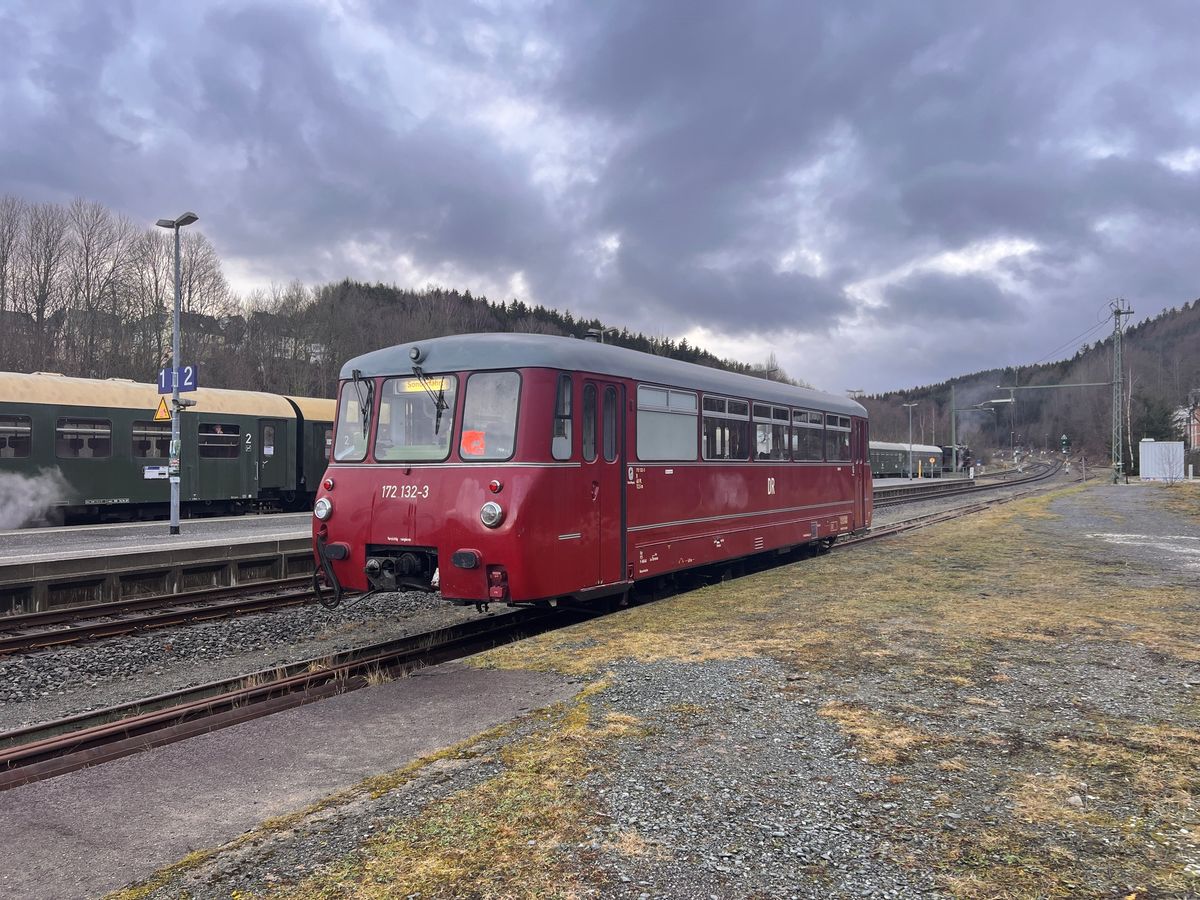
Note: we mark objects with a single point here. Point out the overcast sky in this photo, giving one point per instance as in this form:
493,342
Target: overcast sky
884,194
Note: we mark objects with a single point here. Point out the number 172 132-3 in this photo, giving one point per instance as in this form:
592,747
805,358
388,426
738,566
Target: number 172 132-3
404,492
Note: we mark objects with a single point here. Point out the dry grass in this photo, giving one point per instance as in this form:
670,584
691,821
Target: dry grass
499,838
882,742
1182,497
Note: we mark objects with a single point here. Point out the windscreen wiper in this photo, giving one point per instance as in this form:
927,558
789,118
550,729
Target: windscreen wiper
364,403
439,399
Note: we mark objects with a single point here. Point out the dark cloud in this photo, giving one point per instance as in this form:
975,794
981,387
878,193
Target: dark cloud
742,168
938,297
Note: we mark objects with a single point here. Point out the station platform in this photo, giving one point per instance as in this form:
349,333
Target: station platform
50,568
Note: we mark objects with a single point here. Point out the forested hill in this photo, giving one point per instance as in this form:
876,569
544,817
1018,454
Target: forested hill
308,333
1161,363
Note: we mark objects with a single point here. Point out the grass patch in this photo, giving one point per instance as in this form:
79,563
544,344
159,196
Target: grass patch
1183,498
501,838
883,742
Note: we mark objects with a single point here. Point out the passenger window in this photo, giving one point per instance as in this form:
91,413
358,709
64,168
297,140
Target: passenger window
219,440
151,440
83,438
808,436
560,443
15,436
666,424
268,440
610,424
726,428
324,437
589,422
489,428
771,432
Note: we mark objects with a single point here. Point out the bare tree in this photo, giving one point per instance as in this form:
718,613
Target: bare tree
45,246
12,218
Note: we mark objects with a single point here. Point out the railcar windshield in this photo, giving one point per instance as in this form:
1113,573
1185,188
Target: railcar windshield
351,426
416,418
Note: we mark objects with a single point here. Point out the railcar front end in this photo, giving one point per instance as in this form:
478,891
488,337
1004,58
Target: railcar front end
438,482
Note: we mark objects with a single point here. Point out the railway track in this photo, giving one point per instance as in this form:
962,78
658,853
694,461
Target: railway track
938,491
55,748
51,628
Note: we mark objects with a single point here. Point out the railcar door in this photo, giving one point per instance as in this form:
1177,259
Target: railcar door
272,454
861,468
604,467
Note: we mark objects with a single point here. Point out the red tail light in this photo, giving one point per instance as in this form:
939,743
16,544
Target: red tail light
497,583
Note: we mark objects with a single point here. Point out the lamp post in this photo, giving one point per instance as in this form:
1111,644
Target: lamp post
175,224
910,465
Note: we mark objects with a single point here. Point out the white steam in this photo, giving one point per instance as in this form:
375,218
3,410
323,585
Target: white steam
24,499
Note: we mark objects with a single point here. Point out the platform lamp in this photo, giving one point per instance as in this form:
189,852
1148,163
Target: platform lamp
175,224
910,465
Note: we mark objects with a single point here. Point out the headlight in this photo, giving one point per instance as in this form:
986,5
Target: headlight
492,514
323,508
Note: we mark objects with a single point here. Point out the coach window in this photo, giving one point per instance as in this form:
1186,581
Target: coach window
666,424
489,428
560,443
151,440
589,422
83,439
726,428
220,440
610,424
837,438
323,435
771,431
15,434
808,436
416,419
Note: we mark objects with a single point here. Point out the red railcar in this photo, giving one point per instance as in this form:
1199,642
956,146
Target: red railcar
516,468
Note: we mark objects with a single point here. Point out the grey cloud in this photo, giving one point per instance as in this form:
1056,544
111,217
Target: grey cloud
936,127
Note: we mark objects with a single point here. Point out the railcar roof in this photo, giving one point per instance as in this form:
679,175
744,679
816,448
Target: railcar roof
470,352
59,390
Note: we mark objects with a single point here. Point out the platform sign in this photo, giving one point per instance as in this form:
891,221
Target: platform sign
162,414
187,379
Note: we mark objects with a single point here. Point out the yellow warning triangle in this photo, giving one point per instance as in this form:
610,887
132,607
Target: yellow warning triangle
162,414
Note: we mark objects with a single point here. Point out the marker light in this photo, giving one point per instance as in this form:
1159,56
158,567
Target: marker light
492,514
323,508
328,484
495,486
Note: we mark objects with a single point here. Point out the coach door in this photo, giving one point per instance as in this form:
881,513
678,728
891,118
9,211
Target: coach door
603,467
272,454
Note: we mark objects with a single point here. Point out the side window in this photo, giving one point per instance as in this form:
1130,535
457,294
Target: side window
589,422
83,439
726,428
837,438
268,447
323,435
151,440
666,424
771,431
560,443
220,440
808,436
15,437
610,423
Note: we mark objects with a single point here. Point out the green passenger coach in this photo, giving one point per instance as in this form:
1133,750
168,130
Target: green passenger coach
80,449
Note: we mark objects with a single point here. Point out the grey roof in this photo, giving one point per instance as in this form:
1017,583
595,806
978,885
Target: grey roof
471,352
